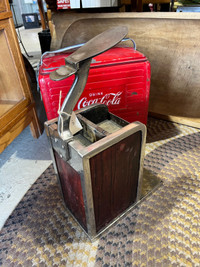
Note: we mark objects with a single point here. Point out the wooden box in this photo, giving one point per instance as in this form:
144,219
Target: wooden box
99,169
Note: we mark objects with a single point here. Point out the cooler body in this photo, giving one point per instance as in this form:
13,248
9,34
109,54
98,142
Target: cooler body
118,78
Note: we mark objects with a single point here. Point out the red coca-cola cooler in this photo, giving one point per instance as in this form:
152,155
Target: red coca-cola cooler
119,78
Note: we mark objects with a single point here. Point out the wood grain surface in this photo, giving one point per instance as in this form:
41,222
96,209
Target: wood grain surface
114,176
17,107
71,189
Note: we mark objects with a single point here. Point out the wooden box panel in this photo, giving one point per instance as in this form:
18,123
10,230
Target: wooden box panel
114,176
71,188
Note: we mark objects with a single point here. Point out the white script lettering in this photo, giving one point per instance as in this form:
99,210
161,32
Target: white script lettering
107,99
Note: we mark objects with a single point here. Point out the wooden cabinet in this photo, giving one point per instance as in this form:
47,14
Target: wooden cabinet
17,107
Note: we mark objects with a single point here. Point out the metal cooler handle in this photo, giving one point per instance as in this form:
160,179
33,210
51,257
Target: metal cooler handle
130,39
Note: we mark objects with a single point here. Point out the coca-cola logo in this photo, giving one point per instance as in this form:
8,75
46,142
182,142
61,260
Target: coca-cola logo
107,99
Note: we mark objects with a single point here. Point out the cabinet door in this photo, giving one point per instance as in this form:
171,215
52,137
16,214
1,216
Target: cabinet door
17,107
14,87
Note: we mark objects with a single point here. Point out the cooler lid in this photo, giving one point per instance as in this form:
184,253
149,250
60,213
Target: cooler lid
114,56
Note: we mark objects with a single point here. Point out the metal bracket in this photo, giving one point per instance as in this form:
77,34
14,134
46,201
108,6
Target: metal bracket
61,147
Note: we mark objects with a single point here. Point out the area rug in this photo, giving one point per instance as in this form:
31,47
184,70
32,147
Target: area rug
164,230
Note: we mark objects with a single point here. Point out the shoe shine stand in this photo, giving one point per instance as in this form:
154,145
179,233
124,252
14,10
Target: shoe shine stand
97,156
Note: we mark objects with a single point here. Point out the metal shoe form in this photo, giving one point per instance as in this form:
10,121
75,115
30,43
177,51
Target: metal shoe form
78,63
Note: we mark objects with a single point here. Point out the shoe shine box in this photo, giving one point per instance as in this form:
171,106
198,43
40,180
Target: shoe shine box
100,168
